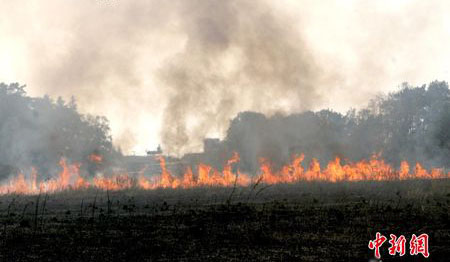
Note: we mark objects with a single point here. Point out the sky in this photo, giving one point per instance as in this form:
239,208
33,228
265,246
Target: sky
174,72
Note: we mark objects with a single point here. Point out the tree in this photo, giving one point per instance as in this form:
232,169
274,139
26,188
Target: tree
38,132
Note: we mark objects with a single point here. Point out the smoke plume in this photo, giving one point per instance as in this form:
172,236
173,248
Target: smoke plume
177,71
240,55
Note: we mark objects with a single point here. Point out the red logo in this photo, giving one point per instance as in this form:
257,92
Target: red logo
376,244
417,245
397,245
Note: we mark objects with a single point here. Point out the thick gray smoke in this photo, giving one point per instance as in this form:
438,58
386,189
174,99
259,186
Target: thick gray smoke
179,70
238,55
232,56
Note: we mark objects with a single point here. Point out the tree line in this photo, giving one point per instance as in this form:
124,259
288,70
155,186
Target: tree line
411,124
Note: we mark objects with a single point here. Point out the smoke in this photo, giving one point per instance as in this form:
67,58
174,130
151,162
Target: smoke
409,125
241,56
177,71
37,132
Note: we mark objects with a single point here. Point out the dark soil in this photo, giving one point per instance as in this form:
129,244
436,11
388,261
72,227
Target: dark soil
303,222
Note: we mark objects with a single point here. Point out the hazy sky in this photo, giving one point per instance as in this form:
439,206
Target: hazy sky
172,72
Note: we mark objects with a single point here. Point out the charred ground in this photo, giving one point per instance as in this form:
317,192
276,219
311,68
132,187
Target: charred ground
301,222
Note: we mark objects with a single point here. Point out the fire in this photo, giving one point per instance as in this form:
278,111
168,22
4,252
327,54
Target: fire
69,178
95,158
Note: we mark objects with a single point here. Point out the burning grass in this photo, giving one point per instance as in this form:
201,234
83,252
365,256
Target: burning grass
374,169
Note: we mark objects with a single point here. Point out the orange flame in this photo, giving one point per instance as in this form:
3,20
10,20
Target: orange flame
95,158
69,177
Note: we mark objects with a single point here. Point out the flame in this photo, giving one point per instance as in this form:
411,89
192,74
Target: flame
69,178
96,158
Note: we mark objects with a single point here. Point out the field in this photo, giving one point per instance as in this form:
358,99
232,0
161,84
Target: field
307,221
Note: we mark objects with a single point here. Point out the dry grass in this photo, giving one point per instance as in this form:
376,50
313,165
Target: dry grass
301,222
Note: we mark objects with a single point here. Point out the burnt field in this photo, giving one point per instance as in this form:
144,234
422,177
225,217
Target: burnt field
308,221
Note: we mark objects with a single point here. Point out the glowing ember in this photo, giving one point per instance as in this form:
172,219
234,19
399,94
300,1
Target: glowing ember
372,169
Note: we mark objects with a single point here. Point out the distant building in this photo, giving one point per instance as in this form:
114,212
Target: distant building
155,153
136,164
211,145
149,164
213,154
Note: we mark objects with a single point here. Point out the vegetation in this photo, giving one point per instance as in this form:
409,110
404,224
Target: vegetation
38,131
304,221
411,124
301,222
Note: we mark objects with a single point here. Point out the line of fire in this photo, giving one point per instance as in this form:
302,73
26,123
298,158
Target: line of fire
155,170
